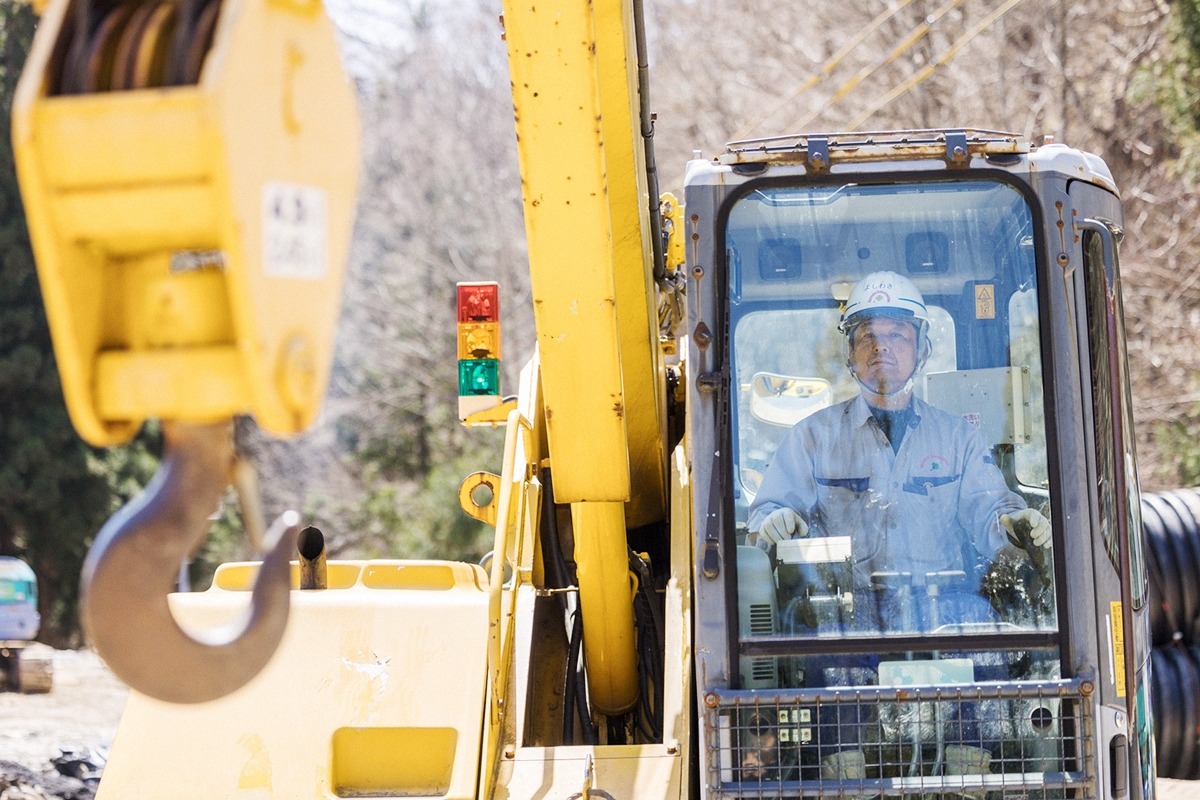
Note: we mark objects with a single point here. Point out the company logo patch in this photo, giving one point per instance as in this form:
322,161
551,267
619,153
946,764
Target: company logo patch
935,464
879,295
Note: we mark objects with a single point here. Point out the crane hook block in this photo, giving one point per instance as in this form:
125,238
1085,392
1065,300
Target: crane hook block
189,170
124,603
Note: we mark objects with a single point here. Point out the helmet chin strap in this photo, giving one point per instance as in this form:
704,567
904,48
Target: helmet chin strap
905,389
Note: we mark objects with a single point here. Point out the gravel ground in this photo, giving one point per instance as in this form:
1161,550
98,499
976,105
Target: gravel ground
85,706
81,711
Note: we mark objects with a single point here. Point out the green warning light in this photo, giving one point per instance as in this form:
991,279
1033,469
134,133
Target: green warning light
479,377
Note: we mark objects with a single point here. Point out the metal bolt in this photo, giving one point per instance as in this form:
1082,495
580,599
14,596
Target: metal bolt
697,272
1063,259
711,699
510,752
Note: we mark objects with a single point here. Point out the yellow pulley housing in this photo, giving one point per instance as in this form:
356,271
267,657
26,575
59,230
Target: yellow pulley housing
190,239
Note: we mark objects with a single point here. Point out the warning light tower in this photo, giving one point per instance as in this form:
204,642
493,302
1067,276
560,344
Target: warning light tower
478,347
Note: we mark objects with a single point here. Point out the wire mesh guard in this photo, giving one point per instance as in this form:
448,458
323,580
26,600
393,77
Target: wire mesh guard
997,741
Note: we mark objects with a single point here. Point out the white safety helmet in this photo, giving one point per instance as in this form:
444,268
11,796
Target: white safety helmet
887,294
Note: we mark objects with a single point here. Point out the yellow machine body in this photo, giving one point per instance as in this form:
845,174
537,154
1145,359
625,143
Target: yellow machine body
575,101
376,690
150,216
191,240
583,172
190,243
521,710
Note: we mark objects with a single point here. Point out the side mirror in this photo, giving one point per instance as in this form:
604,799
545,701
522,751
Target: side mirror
784,400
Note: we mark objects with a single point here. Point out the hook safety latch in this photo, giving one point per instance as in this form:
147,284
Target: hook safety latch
135,560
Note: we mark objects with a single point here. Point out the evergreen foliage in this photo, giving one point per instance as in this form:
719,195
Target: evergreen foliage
440,202
55,491
1171,83
1187,39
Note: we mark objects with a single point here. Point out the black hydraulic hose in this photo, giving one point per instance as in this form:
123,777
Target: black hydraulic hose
555,565
643,73
568,732
645,713
557,573
585,719
576,689
559,576
650,645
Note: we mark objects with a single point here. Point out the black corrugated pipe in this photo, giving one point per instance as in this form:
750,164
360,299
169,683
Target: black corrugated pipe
1171,524
1175,691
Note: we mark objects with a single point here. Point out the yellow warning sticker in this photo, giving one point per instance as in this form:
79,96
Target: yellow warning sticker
985,301
1118,638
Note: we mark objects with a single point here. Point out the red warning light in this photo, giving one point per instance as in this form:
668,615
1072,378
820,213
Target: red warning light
478,302
478,347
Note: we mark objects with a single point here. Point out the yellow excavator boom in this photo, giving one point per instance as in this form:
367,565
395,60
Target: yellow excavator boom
575,97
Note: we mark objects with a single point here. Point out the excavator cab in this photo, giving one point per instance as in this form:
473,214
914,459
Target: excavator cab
910,638
983,366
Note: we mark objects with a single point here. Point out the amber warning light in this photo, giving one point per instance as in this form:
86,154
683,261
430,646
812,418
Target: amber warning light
478,347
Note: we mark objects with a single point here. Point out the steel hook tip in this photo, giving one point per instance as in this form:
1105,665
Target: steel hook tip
131,568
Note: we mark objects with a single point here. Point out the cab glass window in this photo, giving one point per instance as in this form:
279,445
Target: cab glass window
929,520
1113,414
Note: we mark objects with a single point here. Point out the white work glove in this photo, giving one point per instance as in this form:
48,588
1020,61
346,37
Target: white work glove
1038,531
780,524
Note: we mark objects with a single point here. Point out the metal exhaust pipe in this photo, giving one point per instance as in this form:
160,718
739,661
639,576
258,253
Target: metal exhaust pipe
311,545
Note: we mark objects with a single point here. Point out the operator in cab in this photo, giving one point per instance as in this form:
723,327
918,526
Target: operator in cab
914,487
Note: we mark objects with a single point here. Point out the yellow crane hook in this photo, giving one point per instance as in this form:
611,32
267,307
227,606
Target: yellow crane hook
135,560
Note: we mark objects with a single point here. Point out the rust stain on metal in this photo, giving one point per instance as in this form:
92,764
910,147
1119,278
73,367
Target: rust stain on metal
1062,240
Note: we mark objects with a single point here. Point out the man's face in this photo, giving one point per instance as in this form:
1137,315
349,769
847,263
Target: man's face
883,353
760,759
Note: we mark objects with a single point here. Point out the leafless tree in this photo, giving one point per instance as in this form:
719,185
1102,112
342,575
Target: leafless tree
440,191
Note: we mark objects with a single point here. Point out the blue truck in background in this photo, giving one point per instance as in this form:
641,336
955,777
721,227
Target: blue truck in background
20,668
